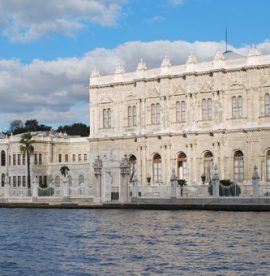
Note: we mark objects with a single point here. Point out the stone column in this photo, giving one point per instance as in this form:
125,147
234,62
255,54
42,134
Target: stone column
97,165
35,187
173,185
256,182
215,182
125,172
66,187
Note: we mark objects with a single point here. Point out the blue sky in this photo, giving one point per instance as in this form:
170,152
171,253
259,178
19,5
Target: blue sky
48,48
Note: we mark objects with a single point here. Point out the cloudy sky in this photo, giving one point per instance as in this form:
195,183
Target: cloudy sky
49,48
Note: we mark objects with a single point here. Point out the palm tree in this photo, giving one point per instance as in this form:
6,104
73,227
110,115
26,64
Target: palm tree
27,149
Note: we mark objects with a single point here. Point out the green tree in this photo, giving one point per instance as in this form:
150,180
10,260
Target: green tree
64,170
27,148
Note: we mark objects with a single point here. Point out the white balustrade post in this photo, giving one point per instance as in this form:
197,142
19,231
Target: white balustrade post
173,185
256,182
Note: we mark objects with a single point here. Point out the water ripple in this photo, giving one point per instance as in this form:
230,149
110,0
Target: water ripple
133,242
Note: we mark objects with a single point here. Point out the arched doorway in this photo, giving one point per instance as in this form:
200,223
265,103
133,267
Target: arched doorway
207,165
157,174
181,166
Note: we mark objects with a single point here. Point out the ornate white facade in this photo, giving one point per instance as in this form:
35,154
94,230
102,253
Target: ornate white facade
187,117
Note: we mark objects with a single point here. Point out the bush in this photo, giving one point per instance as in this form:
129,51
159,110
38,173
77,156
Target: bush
226,188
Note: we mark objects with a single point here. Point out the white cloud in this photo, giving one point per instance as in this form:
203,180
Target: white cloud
28,20
56,91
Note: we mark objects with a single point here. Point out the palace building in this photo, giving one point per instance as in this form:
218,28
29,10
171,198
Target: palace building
185,117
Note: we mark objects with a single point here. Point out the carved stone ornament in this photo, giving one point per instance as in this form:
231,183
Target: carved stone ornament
124,166
97,165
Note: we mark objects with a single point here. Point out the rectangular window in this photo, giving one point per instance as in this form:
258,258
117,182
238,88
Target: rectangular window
204,110
79,157
23,159
153,114
178,111
24,181
239,169
74,157
19,159
85,157
14,159
129,116
66,158
157,113
35,159
134,116
14,181
109,118
19,181
40,159
9,160
183,111
59,158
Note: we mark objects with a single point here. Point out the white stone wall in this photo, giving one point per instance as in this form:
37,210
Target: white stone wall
218,80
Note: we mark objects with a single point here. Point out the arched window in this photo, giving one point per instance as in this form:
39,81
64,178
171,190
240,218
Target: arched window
267,105
3,158
238,166
268,165
57,181
157,168
81,179
207,165
3,179
182,166
237,107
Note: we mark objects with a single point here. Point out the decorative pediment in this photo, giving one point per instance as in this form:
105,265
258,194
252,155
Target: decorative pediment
105,99
206,86
236,84
153,92
265,80
178,89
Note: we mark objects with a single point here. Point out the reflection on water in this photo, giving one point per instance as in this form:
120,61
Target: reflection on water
133,242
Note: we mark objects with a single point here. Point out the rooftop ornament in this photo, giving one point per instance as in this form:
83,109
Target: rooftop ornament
141,66
95,73
166,62
191,62
119,70
253,55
